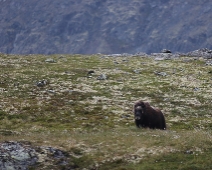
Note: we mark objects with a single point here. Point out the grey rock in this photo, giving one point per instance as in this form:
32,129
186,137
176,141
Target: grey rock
204,52
42,83
166,51
51,91
89,74
50,60
102,77
20,156
196,89
208,63
14,155
165,56
160,73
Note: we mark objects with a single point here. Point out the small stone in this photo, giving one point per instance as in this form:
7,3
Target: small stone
196,89
188,152
51,91
90,72
136,71
42,83
160,73
166,51
102,77
50,60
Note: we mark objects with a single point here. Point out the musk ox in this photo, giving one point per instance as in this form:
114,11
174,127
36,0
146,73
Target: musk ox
147,116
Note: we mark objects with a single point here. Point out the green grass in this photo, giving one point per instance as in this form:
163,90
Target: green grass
92,119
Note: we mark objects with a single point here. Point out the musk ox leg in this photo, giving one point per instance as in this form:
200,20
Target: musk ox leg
137,123
163,123
152,126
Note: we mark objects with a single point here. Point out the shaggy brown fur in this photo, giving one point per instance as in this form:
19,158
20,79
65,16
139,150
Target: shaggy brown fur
147,116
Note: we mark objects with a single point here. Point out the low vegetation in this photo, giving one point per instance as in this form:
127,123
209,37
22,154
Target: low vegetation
92,119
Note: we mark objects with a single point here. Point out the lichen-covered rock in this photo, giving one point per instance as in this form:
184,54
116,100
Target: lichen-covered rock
14,155
203,52
50,60
102,77
21,156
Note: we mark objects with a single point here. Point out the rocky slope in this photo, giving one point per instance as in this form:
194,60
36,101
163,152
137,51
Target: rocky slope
104,26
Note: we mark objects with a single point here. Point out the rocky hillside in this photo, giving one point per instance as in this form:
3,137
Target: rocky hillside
104,26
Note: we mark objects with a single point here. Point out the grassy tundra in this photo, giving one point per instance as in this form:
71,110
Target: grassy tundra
92,119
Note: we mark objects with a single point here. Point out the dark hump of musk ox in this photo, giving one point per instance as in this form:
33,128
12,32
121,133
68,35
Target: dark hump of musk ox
147,116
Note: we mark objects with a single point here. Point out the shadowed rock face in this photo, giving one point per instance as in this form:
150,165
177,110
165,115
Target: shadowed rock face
15,155
104,26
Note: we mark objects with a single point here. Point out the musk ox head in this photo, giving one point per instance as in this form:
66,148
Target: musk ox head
139,111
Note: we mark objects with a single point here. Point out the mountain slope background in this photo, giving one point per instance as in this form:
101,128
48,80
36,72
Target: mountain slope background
104,26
